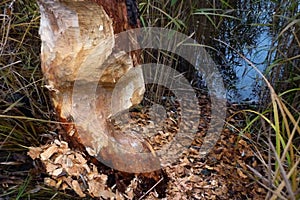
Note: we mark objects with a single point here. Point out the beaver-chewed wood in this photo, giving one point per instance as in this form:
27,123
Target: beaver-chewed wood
78,44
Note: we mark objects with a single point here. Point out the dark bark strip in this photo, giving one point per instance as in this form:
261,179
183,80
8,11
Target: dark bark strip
132,12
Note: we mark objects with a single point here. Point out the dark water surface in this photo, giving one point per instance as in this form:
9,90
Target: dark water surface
251,31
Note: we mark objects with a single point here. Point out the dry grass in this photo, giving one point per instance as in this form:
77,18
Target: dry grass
26,118
25,109
276,123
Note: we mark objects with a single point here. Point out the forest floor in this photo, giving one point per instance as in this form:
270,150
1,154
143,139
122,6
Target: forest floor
226,172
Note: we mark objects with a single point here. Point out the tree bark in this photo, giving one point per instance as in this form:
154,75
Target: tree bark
78,44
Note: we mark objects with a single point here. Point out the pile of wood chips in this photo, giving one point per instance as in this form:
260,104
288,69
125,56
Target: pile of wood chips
69,169
224,174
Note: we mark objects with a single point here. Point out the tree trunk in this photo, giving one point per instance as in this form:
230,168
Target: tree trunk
84,70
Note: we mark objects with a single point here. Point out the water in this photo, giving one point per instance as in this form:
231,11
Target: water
248,79
250,36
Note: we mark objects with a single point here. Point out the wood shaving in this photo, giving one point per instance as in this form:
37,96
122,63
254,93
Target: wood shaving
34,152
49,152
69,169
77,189
220,175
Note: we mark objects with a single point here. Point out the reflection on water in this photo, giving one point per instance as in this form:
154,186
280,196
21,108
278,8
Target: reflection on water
227,29
248,32
245,88
249,35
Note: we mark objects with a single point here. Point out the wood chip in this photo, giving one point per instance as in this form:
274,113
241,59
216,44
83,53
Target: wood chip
59,159
119,196
69,163
67,180
64,145
58,184
107,194
95,188
79,158
34,152
64,186
49,152
91,151
51,167
77,189
75,170
57,142
57,172
50,182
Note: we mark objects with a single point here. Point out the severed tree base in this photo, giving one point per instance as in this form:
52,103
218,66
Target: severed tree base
84,67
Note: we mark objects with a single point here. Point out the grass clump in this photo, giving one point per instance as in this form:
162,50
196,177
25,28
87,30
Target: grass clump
26,115
277,121
25,109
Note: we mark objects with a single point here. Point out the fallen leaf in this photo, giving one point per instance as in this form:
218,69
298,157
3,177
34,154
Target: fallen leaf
243,143
241,174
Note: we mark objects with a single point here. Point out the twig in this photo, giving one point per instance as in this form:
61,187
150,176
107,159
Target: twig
151,188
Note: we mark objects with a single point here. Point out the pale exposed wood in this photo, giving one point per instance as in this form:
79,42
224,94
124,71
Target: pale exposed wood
77,45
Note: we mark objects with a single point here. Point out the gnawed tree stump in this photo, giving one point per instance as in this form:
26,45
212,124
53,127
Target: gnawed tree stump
82,65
